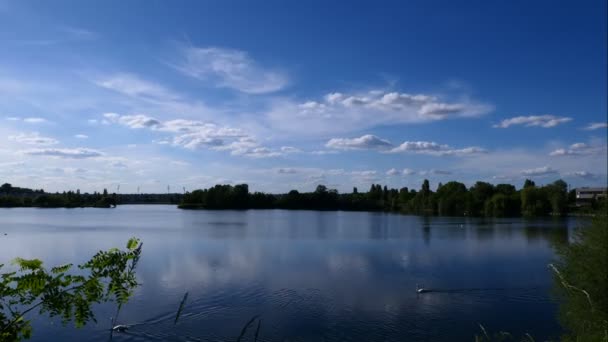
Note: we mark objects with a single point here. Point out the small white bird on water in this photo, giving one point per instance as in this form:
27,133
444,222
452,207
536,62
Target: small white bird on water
421,289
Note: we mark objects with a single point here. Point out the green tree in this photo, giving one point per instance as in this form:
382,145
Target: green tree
451,199
111,277
557,193
480,193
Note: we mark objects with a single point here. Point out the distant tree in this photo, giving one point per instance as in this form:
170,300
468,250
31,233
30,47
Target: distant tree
426,188
451,199
355,191
321,189
557,193
529,183
480,193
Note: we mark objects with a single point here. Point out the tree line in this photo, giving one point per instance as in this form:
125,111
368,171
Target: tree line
450,199
23,197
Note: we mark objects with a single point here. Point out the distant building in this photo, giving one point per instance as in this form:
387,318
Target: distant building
586,195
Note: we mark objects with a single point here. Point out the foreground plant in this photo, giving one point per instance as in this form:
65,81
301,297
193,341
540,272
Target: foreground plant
111,277
581,277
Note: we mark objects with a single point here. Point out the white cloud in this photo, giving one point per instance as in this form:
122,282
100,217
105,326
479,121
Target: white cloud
81,136
194,134
228,68
433,148
434,172
132,121
71,153
408,172
539,171
582,174
33,139
34,120
579,149
132,85
392,172
545,121
341,112
290,149
323,152
364,176
596,125
365,142
31,120
287,170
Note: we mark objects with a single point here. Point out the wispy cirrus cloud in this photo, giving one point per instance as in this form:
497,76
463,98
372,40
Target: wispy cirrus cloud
230,68
544,121
135,86
596,125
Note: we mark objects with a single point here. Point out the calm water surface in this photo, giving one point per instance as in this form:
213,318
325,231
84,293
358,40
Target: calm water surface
311,276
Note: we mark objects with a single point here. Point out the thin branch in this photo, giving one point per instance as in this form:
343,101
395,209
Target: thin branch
567,285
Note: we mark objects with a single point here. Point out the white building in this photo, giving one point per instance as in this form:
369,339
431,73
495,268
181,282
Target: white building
588,194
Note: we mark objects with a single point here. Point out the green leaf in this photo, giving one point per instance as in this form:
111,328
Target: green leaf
61,268
28,264
132,244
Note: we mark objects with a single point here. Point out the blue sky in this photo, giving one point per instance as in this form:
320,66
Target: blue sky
290,95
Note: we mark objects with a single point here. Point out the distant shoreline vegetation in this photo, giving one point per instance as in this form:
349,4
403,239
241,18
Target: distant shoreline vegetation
450,199
16,197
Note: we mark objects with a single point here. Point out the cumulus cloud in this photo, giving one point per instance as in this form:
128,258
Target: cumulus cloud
596,125
392,172
408,172
365,142
81,136
33,139
229,68
70,153
132,121
372,142
580,149
195,134
545,121
343,112
433,148
539,171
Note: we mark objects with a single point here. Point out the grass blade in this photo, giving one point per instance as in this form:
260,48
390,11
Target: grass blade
246,327
257,331
181,307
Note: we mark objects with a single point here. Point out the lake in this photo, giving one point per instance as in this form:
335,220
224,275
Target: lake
310,275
